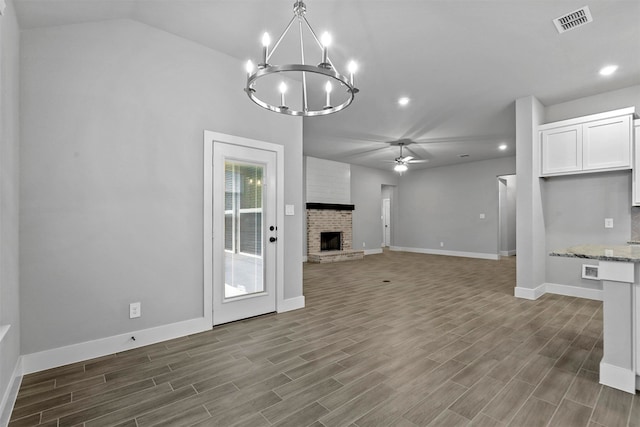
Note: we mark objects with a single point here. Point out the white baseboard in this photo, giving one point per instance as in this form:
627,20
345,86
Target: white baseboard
618,378
372,251
447,253
11,393
558,289
529,293
61,356
508,253
573,291
290,304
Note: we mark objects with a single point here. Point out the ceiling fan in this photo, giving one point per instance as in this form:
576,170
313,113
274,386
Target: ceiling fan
402,162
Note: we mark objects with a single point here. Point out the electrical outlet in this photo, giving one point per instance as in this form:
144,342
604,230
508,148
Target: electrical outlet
442,244
482,216
364,245
608,223
134,310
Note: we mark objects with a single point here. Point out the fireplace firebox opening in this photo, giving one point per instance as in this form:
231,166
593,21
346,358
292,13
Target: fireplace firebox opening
330,241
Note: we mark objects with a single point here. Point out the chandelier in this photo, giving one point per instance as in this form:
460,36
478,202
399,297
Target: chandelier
264,89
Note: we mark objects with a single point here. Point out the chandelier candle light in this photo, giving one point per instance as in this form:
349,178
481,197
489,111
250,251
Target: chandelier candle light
301,72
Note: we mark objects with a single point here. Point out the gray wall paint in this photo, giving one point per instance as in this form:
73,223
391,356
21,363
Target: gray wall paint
366,195
9,195
626,97
113,115
575,207
444,205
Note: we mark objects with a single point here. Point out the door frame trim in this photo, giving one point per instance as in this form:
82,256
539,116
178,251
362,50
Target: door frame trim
210,138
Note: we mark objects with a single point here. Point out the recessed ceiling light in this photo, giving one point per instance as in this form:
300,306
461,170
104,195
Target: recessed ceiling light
403,101
608,70
502,147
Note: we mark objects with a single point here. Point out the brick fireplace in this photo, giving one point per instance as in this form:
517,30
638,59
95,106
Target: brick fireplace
333,220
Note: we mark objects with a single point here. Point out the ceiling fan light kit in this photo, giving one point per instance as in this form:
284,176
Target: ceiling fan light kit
402,162
325,70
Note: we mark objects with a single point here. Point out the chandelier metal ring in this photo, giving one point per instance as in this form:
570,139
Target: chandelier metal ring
289,68
324,69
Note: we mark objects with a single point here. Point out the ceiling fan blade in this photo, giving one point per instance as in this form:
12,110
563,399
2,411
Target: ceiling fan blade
418,161
407,158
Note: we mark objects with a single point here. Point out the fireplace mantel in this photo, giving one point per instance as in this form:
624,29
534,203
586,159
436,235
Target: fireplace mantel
330,206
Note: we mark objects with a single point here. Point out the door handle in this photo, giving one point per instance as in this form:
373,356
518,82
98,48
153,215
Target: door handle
273,239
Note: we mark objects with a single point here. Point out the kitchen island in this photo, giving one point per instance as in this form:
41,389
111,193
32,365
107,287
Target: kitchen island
618,270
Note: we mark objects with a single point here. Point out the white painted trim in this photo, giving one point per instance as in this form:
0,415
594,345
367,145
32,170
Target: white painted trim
61,356
447,253
573,291
372,251
207,285
11,393
209,138
529,293
508,253
290,304
618,378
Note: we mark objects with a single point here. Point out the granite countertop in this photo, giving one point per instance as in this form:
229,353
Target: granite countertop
620,253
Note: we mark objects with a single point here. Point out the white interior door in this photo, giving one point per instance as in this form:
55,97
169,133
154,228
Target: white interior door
244,232
386,221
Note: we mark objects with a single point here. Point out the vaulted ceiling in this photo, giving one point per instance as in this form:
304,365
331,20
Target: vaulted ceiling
461,63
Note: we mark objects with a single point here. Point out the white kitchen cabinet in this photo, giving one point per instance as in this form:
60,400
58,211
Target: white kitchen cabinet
562,150
636,165
600,142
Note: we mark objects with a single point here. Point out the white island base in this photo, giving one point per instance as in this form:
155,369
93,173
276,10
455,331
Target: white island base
620,365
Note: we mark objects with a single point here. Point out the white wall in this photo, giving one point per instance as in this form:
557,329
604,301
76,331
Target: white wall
530,237
444,205
9,205
112,123
575,206
366,195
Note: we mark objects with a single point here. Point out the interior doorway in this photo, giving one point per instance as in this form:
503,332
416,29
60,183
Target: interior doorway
386,222
387,214
507,215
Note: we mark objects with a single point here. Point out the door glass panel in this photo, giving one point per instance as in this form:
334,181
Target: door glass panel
243,229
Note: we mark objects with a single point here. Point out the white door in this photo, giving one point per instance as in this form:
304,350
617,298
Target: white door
244,231
386,221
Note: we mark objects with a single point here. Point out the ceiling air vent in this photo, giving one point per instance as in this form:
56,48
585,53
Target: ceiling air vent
573,20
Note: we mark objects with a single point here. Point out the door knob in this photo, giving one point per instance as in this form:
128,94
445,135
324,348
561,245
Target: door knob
273,239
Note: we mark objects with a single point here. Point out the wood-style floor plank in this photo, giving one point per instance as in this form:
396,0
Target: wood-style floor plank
397,339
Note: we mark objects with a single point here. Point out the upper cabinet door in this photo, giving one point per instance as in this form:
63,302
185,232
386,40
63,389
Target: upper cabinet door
562,150
607,144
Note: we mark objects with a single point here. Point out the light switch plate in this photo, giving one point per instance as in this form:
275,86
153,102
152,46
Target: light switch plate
289,210
608,223
482,216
